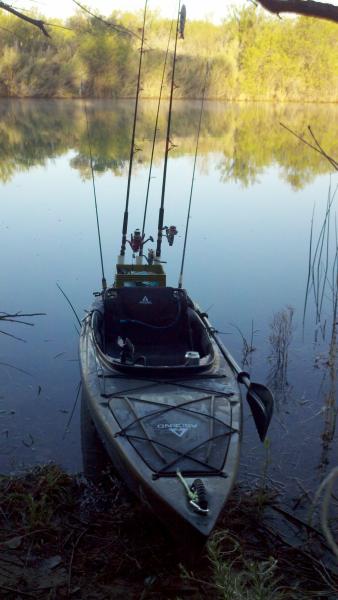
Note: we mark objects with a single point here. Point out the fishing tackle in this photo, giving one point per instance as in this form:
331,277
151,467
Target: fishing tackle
167,143
183,16
196,494
170,233
127,350
133,147
137,241
155,133
151,256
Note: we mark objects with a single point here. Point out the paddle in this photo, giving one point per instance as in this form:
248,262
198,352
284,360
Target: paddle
259,397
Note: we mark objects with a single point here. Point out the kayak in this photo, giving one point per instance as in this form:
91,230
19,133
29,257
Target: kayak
159,387
165,402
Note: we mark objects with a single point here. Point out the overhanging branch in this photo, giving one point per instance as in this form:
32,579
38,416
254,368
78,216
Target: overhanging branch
308,8
36,22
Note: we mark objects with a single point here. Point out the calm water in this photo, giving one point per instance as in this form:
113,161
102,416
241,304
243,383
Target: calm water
247,263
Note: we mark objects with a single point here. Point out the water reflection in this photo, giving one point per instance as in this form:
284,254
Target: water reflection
248,138
247,258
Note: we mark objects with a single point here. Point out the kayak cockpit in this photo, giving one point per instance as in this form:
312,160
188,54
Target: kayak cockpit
151,328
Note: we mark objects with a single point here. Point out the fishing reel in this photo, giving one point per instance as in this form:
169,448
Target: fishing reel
151,258
137,241
170,233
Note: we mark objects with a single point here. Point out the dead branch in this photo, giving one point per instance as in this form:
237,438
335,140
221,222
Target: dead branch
36,22
307,8
15,317
317,147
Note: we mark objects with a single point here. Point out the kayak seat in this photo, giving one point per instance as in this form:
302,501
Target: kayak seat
157,321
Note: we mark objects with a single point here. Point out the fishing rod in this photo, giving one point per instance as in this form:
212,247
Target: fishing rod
155,134
179,29
104,282
132,148
180,280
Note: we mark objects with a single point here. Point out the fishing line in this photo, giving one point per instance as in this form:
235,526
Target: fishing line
167,143
132,147
69,302
180,280
104,283
155,134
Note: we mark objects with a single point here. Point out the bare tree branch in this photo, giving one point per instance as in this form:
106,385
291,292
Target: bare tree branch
317,147
308,8
36,22
6,316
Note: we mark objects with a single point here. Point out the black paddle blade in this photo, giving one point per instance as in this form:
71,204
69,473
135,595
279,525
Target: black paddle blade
261,402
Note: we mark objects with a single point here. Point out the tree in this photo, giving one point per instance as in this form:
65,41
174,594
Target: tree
308,8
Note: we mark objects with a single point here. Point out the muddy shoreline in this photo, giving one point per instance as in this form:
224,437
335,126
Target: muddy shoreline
64,537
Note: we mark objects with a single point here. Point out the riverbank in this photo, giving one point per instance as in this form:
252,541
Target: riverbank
251,56
63,537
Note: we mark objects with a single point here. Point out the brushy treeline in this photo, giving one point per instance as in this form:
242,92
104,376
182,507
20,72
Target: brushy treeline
252,56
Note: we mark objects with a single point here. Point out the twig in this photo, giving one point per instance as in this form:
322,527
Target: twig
72,557
15,337
73,410
4,364
13,316
318,149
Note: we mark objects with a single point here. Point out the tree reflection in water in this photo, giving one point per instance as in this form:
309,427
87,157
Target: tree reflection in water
243,139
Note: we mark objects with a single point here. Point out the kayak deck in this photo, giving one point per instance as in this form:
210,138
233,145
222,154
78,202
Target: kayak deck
177,426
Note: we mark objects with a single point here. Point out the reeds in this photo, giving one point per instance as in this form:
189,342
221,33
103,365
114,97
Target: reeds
281,330
322,276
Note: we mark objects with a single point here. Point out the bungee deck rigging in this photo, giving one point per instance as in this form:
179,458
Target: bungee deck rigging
170,467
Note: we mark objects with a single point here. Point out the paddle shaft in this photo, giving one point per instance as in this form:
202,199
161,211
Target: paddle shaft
242,376
258,396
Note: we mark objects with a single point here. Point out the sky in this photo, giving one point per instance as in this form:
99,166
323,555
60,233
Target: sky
213,10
